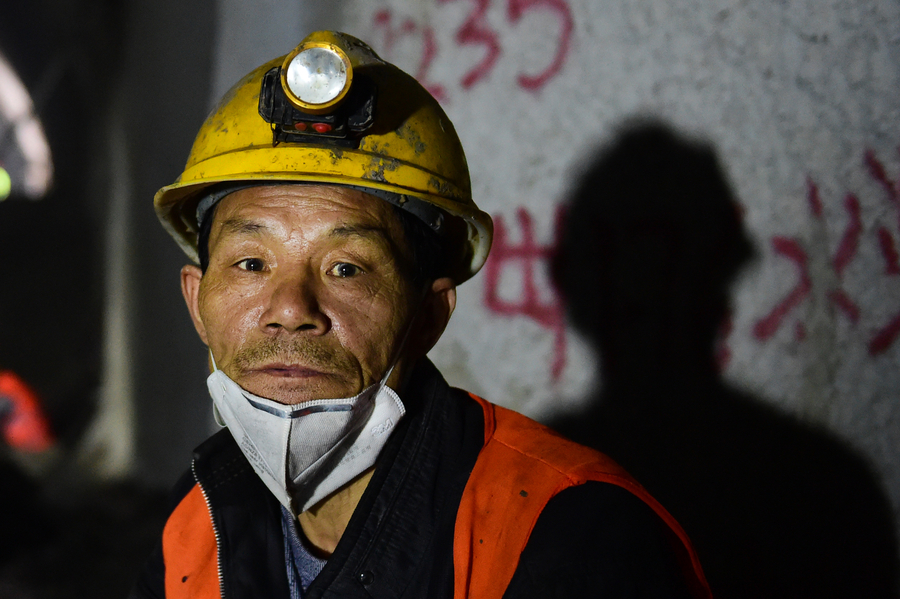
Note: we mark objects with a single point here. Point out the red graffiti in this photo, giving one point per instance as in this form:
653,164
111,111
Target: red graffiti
515,10
844,255
792,249
878,172
842,301
812,197
885,337
527,255
383,19
889,251
722,351
850,241
477,31
887,334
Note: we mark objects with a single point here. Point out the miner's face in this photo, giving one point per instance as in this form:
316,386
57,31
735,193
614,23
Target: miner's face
308,295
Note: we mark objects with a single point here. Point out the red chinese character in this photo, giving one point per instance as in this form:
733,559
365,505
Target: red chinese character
429,48
844,255
527,255
476,31
792,249
515,10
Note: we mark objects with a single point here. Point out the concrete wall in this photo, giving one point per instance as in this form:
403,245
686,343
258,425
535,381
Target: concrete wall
799,98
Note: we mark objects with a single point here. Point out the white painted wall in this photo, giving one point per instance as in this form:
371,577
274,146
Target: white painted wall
792,94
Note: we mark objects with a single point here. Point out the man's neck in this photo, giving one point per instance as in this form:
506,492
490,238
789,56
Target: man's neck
324,523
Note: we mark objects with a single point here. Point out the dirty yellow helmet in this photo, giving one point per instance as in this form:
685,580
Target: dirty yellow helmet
333,112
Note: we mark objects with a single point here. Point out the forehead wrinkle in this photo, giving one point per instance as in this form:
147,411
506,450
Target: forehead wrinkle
242,226
363,231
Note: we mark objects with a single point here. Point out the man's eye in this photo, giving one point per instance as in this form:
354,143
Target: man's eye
251,264
344,270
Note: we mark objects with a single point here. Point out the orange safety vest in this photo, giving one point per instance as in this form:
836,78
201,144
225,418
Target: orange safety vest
522,465
190,552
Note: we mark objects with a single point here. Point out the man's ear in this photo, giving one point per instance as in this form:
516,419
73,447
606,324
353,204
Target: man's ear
440,301
190,289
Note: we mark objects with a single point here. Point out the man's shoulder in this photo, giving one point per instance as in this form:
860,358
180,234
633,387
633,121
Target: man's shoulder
525,441
587,510
595,540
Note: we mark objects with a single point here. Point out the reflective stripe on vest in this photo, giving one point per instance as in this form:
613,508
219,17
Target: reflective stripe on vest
522,465
189,550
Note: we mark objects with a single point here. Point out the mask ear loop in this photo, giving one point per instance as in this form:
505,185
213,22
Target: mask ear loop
218,417
412,321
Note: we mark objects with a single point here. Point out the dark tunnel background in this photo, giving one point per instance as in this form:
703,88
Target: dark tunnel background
63,532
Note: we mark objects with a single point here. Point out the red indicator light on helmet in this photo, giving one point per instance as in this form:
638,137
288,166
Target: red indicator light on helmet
322,127
300,126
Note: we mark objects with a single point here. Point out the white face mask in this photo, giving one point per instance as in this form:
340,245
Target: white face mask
306,451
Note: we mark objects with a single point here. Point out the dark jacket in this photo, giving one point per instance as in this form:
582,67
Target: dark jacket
593,540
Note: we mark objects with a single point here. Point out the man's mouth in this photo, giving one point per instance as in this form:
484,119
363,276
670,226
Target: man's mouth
298,359
287,371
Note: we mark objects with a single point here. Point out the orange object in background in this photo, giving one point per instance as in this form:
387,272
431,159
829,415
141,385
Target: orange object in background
23,423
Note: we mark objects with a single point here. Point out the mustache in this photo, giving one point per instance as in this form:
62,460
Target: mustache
304,351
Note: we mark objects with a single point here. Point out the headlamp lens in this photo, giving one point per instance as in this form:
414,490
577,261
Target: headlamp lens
317,75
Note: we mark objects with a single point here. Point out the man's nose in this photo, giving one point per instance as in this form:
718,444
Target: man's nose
293,305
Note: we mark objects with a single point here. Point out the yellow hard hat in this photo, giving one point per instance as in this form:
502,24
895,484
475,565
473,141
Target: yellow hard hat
333,112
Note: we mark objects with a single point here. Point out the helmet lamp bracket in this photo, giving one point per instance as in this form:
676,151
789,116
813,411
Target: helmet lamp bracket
344,125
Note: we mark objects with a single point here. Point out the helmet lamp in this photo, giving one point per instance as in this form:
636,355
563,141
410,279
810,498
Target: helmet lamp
317,76
331,112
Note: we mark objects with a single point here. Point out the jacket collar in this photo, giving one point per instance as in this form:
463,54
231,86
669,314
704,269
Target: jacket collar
400,534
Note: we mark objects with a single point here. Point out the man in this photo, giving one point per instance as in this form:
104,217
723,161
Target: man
327,201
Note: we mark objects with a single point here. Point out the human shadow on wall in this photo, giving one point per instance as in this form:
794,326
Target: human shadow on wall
775,507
